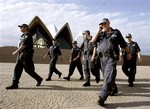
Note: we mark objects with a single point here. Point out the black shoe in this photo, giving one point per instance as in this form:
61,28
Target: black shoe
81,78
48,79
59,75
130,85
113,92
39,82
86,84
12,87
67,78
97,80
100,102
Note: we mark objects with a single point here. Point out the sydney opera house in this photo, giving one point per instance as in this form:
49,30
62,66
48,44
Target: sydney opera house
42,36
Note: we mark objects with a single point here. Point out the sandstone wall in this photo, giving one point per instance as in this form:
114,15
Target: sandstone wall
6,56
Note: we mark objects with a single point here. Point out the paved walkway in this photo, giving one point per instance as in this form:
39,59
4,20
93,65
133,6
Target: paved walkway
61,94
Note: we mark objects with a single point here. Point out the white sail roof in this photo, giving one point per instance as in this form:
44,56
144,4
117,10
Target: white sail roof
79,38
53,30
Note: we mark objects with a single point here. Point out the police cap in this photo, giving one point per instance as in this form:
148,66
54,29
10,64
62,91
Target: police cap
23,25
74,42
104,20
86,31
128,35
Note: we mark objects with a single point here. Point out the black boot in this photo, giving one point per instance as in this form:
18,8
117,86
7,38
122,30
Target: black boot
131,84
67,78
97,79
100,102
87,83
39,82
81,78
59,75
113,92
13,86
48,79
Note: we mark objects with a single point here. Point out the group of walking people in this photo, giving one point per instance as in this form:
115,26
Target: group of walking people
100,53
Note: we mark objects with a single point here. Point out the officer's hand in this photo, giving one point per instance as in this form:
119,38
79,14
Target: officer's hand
128,56
70,61
100,28
121,59
74,59
15,53
83,59
92,59
61,59
44,57
139,59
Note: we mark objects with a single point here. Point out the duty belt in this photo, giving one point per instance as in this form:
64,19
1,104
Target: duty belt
27,51
53,54
104,54
88,53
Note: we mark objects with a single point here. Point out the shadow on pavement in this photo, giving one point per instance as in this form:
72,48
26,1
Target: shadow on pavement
128,105
56,87
136,80
139,89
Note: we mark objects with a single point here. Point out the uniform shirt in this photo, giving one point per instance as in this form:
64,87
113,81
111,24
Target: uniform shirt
26,39
110,42
133,48
88,46
54,50
75,52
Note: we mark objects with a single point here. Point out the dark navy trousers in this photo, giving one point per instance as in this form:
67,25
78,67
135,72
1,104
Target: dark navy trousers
129,69
108,67
26,62
72,67
52,66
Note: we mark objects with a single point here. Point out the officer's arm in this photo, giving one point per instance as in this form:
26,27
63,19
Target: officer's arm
121,57
128,52
70,59
138,52
19,49
97,34
94,54
139,56
46,54
77,57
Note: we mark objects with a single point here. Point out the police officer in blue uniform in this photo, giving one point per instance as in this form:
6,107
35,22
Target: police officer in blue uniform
24,58
75,61
88,51
129,66
53,53
108,50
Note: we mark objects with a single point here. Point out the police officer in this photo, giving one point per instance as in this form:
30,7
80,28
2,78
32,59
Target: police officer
24,58
53,53
75,61
88,51
108,49
129,66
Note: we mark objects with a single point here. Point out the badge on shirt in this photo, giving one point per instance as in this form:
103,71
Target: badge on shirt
26,36
114,35
133,45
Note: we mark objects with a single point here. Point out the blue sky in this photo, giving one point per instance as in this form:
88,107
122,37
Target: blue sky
129,16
